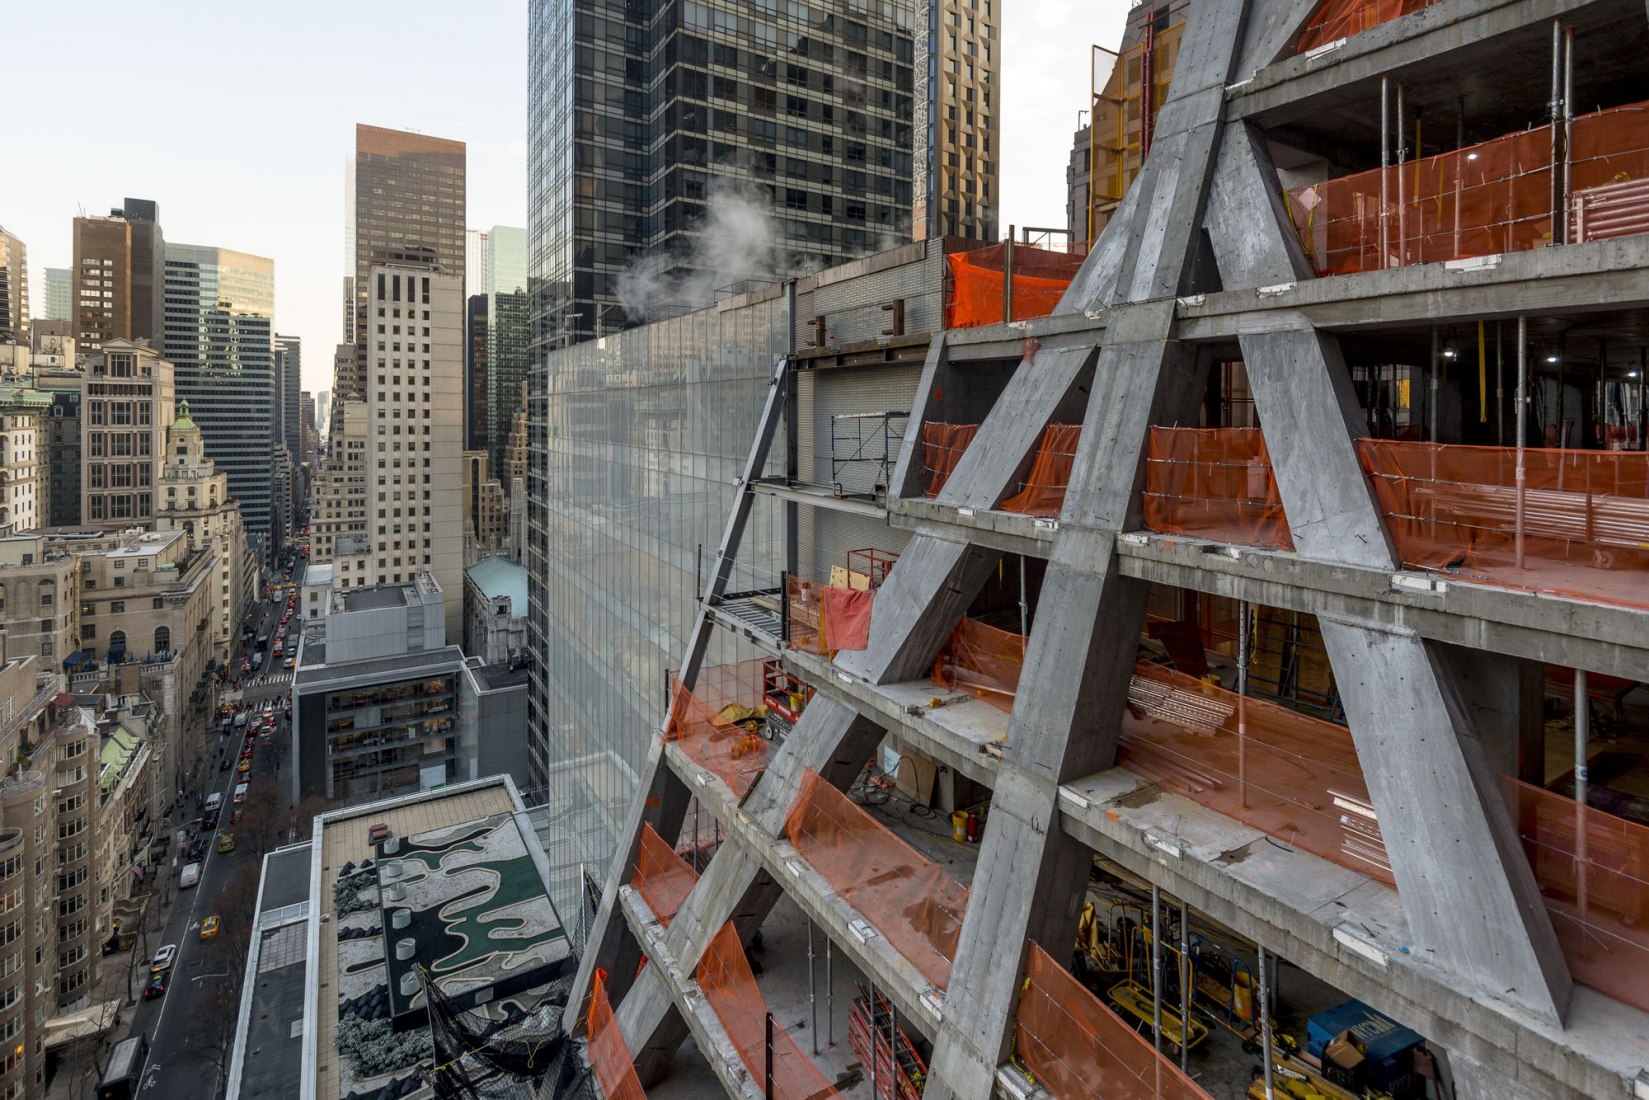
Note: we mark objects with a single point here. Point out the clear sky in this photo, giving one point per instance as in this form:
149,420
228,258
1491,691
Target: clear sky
237,118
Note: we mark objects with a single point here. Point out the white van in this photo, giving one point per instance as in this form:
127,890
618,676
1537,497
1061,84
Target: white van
240,792
214,802
190,876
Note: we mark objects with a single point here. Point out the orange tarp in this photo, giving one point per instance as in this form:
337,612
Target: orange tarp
1214,483
614,1070
1080,1050
909,898
701,723
1454,508
942,447
1484,199
1337,19
847,618
1596,888
983,660
1044,490
1040,277
662,878
731,991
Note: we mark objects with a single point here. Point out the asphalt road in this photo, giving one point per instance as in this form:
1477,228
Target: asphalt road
178,1066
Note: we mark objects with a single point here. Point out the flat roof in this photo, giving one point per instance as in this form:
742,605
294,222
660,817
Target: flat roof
497,577
286,877
501,677
377,597
403,666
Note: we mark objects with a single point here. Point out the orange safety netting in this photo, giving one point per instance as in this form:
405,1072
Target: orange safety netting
1214,483
614,1070
1337,19
1593,870
983,660
662,877
942,447
1455,508
1294,777
1080,1050
1484,199
717,724
730,989
1040,276
909,898
1043,493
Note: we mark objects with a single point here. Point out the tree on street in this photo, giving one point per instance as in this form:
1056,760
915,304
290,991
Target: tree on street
212,1025
263,819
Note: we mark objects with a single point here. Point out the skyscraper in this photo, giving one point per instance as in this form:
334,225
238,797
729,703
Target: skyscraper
958,119
57,294
288,352
506,289
220,306
119,276
14,289
772,136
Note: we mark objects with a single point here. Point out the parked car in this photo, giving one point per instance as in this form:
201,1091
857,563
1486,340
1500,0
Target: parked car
163,959
209,927
156,988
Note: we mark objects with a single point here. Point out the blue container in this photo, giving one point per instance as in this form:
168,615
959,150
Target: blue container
1388,1046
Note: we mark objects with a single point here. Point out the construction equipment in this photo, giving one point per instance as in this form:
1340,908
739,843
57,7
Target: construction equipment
895,1066
785,697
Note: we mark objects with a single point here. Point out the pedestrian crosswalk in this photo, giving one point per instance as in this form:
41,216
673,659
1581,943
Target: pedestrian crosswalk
282,677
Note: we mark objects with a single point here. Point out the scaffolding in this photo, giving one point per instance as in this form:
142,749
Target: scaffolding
865,441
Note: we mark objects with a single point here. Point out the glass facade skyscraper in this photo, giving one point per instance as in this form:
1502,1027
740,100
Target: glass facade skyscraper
642,119
505,275
217,332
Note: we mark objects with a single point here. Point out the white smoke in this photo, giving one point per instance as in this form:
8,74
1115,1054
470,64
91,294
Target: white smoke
736,240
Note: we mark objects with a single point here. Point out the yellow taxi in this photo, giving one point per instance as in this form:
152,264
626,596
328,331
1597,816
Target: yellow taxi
209,927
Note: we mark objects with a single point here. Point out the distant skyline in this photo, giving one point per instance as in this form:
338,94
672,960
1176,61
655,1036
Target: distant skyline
239,120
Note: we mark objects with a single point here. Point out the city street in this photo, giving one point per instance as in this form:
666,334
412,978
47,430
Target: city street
184,1056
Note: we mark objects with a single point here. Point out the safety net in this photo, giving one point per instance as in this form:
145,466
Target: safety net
1078,1049
982,660
730,989
1042,493
1214,483
908,898
614,1069
1337,19
1584,515
942,447
662,877
1294,777
978,277
1593,871
1483,199
719,723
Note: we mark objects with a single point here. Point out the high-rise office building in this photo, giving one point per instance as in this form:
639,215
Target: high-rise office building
126,405
220,306
475,259
57,294
475,372
958,119
288,353
14,289
119,276
407,209
307,436
785,132
505,285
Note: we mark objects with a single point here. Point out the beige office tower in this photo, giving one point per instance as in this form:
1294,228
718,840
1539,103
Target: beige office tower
14,289
125,408
414,389
958,127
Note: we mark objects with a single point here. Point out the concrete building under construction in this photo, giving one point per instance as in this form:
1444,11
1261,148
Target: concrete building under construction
1227,683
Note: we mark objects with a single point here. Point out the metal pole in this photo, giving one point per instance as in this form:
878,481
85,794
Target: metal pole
1156,967
892,1048
1643,420
1024,608
767,1078
1242,701
1007,276
830,997
812,1000
1568,125
1522,405
1436,373
1402,204
1184,983
1555,111
1385,171
870,1026
1265,1027
1499,386
1583,717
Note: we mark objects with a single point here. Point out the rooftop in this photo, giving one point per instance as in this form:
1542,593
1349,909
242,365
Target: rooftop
500,677
268,1060
376,597
314,671
498,577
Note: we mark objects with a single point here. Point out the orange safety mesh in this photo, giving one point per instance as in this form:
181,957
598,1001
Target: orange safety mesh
1593,870
662,877
1294,777
615,1071
942,447
1484,199
1337,19
983,660
909,898
716,725
804,600
1040,276
1214,483
1043,493
1454,508
731,991
1080,1050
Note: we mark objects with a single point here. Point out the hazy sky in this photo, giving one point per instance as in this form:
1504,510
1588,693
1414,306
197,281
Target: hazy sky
237,119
